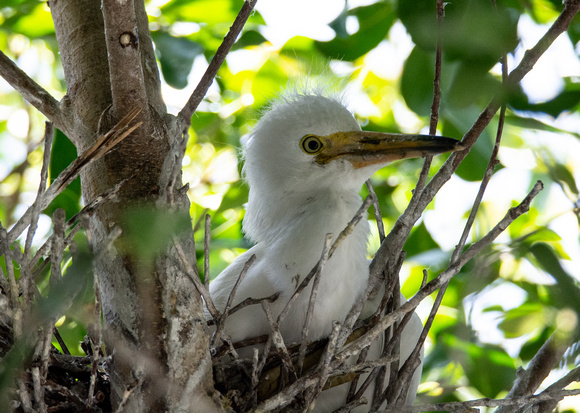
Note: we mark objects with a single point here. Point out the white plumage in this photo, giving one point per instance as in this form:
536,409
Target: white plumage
300,190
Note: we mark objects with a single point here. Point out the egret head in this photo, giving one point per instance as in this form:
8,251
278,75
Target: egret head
308,144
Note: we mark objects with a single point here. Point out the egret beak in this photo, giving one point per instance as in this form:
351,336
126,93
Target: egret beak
363,148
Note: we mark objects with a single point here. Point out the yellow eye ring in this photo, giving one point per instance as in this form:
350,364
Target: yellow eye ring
311,144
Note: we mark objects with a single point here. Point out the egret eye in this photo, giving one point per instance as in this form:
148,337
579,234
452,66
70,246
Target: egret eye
311,144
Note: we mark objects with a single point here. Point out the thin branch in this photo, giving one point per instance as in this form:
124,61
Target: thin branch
324,364
360,213
48,136
377,208
312,301
487,402
278,341
206,240
193,275
190,107
35,94
253,301
529,379
220,323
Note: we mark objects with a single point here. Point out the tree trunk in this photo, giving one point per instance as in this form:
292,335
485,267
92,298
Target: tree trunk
155,329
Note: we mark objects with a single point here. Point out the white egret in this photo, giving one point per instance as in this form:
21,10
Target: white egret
305,163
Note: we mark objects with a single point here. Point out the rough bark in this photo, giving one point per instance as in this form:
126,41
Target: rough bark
153,314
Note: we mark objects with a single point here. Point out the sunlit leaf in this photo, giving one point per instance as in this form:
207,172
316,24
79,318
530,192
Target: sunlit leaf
489,368
374,21
417,81
62,155
567,289
176,55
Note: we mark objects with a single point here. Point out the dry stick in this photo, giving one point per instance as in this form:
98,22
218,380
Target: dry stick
356,346
394,346
312,301
278,341
220,323
38,389
529,379
352,405
324,364
14,290
24,396
434,118
57,245
193,275
190,107
360,213
486,402
103,145
352,392
377,208
572,376
412,363
252,301
106,248
35,94
206,239
197,225
48,137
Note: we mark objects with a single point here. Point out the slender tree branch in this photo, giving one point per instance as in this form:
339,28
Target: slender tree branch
35,94
312,301
206,240
529,379
190,107
486,402
48,136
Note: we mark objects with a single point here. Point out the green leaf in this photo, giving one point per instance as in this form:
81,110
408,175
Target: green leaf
566,288
471,85
417,81
420,20
475,163
32,19
567,100
374,21
523,320
420,241
176,55
148,231
249,38
207,12
562,175
63,154
532,123
489,368
476,33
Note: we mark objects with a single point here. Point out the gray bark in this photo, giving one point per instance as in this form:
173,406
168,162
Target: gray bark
153,315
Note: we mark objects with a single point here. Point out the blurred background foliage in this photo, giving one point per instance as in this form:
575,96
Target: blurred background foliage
505,303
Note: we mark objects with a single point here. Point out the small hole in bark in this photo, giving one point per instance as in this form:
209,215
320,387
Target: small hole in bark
128,39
